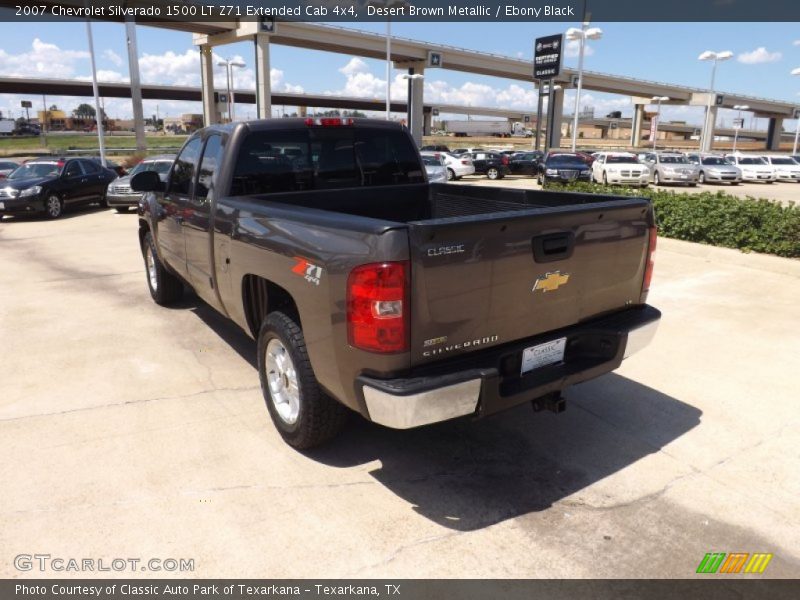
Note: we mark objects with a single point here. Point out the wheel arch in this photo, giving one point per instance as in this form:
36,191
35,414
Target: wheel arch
260,297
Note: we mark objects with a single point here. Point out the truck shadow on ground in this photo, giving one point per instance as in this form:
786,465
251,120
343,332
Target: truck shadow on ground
467,475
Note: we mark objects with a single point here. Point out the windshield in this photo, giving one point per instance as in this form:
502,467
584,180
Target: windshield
621,160
566,159
37,169
674,160
159,166
783,161
747,160
714,160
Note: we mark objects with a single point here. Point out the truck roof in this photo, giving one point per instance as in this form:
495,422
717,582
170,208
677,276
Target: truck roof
303,123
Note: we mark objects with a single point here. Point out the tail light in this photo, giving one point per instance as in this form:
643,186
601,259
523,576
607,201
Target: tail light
648,270
377,307
329,122
504,159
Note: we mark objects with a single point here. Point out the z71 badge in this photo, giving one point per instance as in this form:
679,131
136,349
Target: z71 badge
308,271
550,282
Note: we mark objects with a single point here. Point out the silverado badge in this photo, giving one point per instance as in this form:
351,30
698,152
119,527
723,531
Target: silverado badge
550,282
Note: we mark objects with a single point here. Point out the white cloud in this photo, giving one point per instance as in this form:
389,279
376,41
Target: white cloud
796,42
573,49
112,57
43,60
758,56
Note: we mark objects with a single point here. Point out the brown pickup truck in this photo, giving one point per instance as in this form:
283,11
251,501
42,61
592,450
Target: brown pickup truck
370,290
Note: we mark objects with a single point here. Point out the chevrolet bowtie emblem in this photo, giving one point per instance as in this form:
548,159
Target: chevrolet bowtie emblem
550,282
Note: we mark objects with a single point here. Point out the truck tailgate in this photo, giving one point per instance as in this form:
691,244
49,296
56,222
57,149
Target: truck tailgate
486,280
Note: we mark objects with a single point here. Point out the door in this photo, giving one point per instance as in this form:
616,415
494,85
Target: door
479,162
95,184
73,183
175,202
197,223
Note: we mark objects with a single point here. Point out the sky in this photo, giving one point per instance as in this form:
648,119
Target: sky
765,53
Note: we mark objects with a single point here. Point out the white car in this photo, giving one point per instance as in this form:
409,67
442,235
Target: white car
753,168
434,166
786,168
619,167
457,165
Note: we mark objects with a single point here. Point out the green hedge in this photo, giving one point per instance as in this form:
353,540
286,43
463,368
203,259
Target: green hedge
719,219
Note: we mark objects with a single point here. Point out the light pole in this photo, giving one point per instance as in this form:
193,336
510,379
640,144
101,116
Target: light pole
797,127
658,100
411,79
582,34
740,108
229,64
711,122
388,4
98,108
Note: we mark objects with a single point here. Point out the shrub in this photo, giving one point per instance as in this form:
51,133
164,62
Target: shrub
718,219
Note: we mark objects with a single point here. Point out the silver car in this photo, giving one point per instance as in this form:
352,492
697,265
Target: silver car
671,167
715,169
119,194
437,171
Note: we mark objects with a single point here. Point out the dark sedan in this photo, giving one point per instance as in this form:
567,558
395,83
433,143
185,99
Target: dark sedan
492,164
525,163
49,185
563,167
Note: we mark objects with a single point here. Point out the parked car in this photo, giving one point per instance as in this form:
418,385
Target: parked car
492,164
6,167
563,167
361,296
525,163
786,168
587,157
118,169
715,169
50,185
753,168
457,166
621,168
119,194
458,151
671,167
434,167
435,148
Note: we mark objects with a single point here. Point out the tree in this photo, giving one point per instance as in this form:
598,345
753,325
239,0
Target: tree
84,111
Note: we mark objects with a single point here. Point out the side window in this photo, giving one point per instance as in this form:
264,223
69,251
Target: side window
73,169
601,159
180,181
90,167
212,156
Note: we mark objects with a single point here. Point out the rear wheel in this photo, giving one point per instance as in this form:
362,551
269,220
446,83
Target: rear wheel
53,206
302,413
492,173
451,175
165,288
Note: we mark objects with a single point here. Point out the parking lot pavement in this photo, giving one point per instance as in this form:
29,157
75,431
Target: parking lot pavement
130,430
783,192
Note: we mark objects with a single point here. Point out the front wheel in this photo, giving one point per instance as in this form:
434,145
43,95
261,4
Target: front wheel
165,288
121,209
492,173
605,178
656,179
53,206
302,413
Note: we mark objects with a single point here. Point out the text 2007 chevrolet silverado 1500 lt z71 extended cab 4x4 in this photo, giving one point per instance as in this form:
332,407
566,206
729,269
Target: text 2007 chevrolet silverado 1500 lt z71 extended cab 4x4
368,288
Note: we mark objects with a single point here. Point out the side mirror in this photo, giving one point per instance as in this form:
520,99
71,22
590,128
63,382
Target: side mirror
147,181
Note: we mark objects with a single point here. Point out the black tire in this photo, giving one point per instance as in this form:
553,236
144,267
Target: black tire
492,173
123,210
769,182
103,201
701,178
451,175
319,417
735,182
692,185
605,178
53,206
656,179
165,288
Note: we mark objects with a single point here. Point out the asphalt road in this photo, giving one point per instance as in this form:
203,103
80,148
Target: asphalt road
130,430
784,192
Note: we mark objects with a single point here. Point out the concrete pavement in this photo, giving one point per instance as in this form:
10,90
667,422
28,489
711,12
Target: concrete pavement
131,430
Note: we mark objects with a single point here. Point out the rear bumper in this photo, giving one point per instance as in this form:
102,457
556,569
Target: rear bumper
483,383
